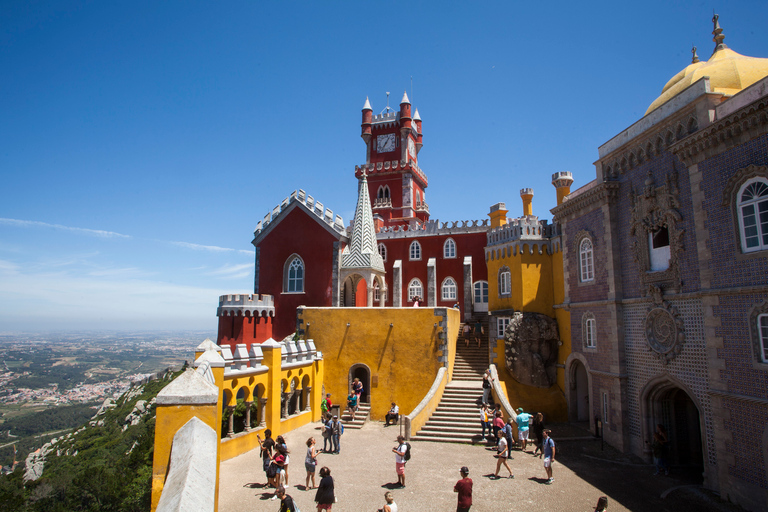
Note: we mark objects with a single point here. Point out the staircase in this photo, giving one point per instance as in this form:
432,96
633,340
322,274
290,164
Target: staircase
457,417
361,416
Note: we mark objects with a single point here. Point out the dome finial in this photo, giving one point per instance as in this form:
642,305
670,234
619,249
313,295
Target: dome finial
718,33
695,56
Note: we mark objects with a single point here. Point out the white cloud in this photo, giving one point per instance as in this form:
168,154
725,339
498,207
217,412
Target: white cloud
82,231
212,248
233,271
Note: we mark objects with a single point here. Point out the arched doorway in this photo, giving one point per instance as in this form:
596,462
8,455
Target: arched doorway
354,292
362,372
670,405
579,392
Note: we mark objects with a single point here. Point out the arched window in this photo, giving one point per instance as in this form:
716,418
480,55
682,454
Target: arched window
586,261
762,329
415,251
293,275
449,249
376,291
753,215
383,251
589,330
505,282
449,289
414,289
383,192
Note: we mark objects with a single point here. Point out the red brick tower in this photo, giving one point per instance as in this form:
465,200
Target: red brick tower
393,140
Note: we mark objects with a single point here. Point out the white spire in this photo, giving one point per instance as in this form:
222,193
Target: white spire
362,251
416,116
367,105
405,98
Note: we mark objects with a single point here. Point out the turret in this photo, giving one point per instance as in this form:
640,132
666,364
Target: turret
405,111
367,119
417,123
562,181
527,196
498,215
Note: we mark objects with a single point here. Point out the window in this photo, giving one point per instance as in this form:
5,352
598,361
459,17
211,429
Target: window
481,292
376,291
449,249
414,289
505,281
502,323
658,244
383,251
415,251
586,260
589,330
294,276
383,192
449,289
605,408
762,332
753,215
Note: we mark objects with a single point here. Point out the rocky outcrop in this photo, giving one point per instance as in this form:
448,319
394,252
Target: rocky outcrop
141,408
530,347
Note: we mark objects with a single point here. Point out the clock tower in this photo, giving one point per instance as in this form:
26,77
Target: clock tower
396,184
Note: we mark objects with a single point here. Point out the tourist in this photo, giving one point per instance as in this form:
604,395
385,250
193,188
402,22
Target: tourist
523,421
327,432
336,432
352,403
399,452
358,387
467,331
325,405
507,431
501,454
310,463
659,448
278,461
286,502
479,331
284,467
267,445
538,431
602,504
464,488
416,301
487,384
324,497
549,455
484,423
393,415
498,424
390,506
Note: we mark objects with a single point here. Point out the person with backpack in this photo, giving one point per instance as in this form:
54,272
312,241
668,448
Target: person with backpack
267,445
327,433
325,405
402,455
286,502
549,455
336,430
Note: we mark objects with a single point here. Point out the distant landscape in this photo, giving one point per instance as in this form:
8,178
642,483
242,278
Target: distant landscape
53,383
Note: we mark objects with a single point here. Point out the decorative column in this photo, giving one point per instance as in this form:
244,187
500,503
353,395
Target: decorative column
307,394
431,283
397,284
469,288
263,412
248,415
231,426
284,405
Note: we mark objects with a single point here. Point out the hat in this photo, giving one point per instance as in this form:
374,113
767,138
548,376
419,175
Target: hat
335,417
464,470
519,409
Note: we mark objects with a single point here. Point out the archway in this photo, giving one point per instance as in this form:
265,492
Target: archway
362,372
579,393
354,292
669,404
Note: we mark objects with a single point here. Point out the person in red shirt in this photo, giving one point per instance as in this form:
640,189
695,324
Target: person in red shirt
464,488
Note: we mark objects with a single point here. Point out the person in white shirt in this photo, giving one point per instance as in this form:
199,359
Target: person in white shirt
502,455
399,451
393,415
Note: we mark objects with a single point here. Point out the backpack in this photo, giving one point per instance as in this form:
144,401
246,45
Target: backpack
342,428
407,455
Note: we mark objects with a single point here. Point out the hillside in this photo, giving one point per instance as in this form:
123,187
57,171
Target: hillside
105,465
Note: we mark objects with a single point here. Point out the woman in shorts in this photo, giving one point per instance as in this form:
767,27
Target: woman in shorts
310,463
325,496
502,456
280,442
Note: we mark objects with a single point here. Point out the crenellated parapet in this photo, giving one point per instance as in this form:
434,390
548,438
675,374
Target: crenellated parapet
392,166
246,305
537,236
433,228
316,207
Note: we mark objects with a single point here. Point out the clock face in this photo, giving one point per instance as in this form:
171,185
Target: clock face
385,143
411,148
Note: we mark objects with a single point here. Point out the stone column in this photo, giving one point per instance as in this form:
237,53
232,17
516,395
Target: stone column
284,405
397,284
262,412
469,288
432,283
248,415
231,426
307,402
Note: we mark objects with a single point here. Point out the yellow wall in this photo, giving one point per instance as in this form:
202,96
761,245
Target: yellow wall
562,316
402,359
532,286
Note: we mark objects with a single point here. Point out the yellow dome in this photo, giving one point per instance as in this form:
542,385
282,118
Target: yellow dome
728,73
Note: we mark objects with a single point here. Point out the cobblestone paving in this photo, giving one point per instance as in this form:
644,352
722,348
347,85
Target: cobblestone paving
366,467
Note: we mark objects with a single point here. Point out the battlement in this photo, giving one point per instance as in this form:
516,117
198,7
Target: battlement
522,228
246,305
433,228
391,166
316,207
386,117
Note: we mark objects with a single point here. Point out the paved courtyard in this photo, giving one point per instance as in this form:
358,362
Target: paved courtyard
365,469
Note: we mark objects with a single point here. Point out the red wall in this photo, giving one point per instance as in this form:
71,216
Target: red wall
298,232
235,329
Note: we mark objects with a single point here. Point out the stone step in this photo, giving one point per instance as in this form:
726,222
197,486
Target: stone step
361,416
428,438
451,425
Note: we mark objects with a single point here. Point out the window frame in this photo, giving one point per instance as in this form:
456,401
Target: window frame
502,322
449,249
505,282
412,284
589,331
414,251
754,203
382,251
586,259
288,281
446,286
762,337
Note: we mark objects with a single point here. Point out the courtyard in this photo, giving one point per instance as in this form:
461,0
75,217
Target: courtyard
365,470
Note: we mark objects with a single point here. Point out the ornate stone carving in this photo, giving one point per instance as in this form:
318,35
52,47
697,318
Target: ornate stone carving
664,328
652,209
530,347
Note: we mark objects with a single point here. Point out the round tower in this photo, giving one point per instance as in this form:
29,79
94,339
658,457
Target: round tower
562,181
527,195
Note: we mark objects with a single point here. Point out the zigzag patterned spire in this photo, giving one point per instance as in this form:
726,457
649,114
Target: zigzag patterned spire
362,251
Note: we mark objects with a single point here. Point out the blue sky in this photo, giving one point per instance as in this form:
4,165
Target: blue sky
142,141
